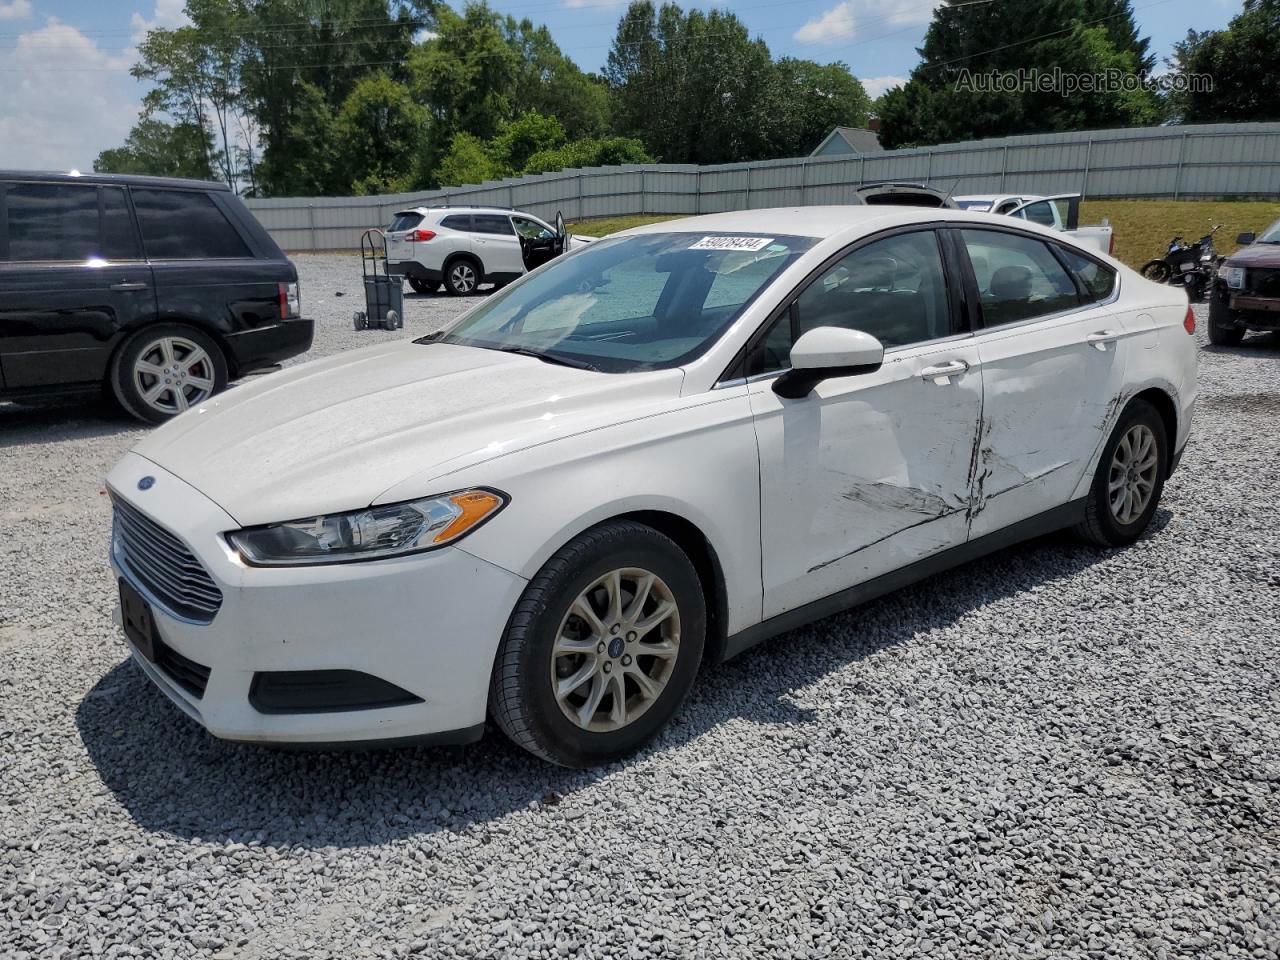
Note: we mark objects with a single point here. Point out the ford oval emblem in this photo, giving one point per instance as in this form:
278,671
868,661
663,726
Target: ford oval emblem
146,483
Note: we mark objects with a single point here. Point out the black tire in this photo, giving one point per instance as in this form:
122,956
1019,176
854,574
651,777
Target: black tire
422,286
463,276
521,699
1222,332
1157,271
1101,526
123,383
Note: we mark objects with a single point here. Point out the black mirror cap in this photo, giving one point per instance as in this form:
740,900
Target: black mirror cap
795,384
1244,239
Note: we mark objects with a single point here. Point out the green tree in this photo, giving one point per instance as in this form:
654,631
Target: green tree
604,152
694,87
377,134
807,100
1240,60
160,149
468,160
549,83
966,40
520,139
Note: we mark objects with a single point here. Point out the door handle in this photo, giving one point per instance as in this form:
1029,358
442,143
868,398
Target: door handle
1102,338
942,374
129,285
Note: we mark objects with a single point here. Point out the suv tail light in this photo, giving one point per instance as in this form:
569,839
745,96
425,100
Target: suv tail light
1111,245
421,236
1189,321
290,301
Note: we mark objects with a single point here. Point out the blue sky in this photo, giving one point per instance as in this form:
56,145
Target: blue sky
65,92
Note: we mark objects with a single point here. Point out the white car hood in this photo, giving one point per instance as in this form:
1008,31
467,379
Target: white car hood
334,434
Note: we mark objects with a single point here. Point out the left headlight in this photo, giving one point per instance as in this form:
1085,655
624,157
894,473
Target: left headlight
374,533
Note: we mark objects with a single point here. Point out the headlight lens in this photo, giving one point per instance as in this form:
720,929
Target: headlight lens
1233,275
372,534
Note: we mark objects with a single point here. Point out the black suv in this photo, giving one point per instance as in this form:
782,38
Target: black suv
160,290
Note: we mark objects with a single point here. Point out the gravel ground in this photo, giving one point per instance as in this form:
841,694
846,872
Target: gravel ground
1057,752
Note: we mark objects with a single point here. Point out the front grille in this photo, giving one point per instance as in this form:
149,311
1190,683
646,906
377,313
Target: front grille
164,565
1263,282
190,676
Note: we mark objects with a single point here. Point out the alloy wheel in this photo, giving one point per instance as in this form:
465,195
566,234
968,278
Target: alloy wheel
173,374
615,650
1134,469
463,277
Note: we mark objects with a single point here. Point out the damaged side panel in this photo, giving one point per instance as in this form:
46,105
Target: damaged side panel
1050,393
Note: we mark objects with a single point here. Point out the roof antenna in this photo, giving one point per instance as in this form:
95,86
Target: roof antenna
947,198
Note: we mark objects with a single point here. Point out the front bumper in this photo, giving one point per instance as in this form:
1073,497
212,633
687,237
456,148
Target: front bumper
430,624
262,347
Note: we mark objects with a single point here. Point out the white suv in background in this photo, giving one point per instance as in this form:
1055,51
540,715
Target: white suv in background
463,247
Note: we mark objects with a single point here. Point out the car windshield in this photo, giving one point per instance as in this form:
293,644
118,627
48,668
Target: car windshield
642,302
1271,234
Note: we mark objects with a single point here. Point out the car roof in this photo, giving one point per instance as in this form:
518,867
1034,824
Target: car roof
466,209
121,179
823,222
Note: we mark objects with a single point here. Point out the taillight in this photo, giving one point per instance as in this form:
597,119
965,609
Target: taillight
1189,321
1111,245
290,301
421,236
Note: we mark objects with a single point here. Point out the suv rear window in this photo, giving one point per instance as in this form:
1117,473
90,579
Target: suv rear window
404,221
185,225
63,222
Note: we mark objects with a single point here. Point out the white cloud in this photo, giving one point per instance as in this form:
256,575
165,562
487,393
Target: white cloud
831,27
846,20
168,14
15,9
64,99
878,85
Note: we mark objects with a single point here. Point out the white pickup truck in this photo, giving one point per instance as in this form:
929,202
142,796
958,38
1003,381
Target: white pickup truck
1061,212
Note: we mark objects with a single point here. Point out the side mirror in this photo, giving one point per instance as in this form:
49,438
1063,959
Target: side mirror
1244,239
826,352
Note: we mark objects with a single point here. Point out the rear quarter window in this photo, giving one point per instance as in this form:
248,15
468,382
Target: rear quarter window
457,221
1098,281
185,225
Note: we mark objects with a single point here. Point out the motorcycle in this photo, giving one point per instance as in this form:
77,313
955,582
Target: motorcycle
1190,265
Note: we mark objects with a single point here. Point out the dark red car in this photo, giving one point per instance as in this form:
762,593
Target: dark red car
1246,295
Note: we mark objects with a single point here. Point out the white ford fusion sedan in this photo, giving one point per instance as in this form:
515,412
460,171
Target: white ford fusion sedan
647,455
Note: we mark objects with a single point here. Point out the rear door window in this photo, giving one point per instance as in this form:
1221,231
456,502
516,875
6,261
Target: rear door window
185,225
1018,277
52,222
1098,281
492,223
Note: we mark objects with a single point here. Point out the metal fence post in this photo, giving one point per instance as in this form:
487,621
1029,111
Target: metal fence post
1084,183
1177,176
928,170
747,204
804,178
311,225
1004,166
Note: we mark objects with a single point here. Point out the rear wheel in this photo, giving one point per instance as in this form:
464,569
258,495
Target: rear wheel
1157,271
1130,479
602,647
165,370
1222,332
462,276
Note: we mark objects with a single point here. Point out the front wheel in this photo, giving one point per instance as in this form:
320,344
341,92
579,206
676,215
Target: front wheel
1157,271
162,371
1222,332
1130,479
602,648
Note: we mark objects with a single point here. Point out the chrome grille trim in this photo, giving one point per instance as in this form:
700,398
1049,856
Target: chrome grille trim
169,572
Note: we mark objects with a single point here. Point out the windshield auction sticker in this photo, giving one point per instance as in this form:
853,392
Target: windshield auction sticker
732,243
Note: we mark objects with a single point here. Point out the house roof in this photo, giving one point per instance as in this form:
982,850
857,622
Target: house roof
860,140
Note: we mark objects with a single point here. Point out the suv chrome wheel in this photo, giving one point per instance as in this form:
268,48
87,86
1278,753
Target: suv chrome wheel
172,374
1134,470
615,650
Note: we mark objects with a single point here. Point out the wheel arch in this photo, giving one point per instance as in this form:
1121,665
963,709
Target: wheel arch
457,255
208,329
1168,411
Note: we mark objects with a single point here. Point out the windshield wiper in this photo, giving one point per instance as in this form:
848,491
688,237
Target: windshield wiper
549,358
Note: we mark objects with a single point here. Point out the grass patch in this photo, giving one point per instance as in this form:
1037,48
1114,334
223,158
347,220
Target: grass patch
1143,228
